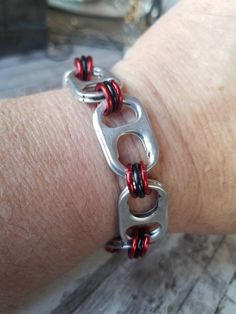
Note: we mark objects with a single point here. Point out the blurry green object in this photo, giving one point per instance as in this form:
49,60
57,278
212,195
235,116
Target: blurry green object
119,22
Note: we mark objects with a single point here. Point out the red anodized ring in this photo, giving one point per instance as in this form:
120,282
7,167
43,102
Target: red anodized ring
109,105
146,243
133,244
118,93
89,68
143,170
129,180
78,68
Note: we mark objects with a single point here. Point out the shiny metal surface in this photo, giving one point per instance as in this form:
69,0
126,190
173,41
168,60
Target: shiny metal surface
83,90
118,245
158,215
108,137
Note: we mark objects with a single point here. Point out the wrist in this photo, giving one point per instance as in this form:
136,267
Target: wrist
174,161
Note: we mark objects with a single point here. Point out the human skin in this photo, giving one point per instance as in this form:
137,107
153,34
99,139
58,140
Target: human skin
58,197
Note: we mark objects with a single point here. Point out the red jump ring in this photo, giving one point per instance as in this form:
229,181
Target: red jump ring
129,180
146,243
113,96
78,68
118,93
143,170
108,108
84,68
143,235
89,68
134,243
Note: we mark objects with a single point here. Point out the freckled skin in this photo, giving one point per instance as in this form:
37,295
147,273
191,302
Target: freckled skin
58,196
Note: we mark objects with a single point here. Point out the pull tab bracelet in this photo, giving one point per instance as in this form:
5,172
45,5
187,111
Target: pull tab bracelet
95,85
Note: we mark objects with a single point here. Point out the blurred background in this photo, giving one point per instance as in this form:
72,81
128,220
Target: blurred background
39,39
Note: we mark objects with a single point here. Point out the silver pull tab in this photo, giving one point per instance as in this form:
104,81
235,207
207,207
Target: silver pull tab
84,91
156,217
108,137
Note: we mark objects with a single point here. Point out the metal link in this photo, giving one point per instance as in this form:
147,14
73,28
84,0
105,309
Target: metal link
158,215
117,245
108,137
156,218
82,89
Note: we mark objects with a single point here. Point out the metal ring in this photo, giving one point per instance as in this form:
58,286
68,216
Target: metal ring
81,89
137,181
157,215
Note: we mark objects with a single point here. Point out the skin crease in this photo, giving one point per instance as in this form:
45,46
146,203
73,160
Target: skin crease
57,194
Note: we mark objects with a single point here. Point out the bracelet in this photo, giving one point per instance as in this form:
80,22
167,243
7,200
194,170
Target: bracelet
95,85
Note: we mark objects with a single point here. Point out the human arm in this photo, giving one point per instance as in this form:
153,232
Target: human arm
58,196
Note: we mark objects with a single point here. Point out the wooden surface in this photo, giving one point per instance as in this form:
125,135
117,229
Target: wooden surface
183,274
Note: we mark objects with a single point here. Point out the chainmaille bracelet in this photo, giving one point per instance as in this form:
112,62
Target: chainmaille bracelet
95,85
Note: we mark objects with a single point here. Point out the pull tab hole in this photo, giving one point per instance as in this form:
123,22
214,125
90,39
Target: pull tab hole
153,227
142,207
125,116
131,149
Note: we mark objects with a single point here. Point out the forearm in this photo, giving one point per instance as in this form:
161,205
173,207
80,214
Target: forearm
58,196
52,186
